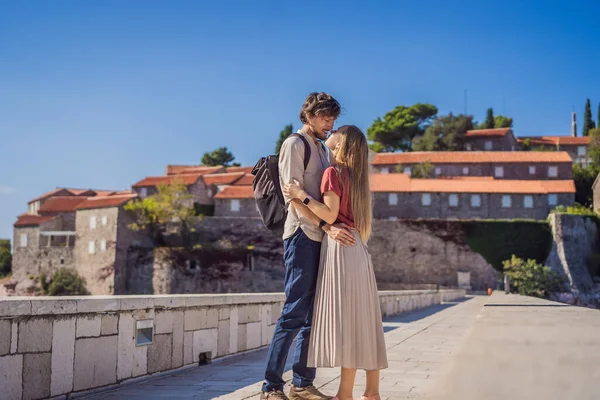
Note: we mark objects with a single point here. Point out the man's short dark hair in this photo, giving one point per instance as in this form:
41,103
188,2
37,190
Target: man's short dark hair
319,104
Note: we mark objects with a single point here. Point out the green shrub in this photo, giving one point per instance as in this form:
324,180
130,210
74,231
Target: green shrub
499,240
576,209
530,278
206,210
5,258
64,283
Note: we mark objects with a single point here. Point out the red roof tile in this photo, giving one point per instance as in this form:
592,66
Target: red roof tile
496,132
471,157
554,140
55,192
32,220
236,192
402,183
186,179
105,201
187,169
245,181
222,179
61,204
245,170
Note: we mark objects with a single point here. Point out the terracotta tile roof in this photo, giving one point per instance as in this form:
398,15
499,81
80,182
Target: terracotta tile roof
402,183
61,204
245,170
236,192
245,181
222,179
471,157
105,201
32,220
65,192
186,179
203,170
554,140
496,132
177,169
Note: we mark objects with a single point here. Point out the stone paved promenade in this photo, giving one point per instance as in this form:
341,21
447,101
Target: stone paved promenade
463,350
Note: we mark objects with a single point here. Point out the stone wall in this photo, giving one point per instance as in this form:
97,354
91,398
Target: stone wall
503,143
29,264
57,346
247,208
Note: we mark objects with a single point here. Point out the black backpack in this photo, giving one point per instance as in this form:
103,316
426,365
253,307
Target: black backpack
267,189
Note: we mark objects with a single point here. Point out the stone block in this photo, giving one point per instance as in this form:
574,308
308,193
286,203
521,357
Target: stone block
164,322
126,344
11,376
275,313
160,353
233,330
101,304
5,336
177,339
36,375
169,301
89,326
110,325
223,341
137,303
265,321
14,337
63,356
50,307
212,318
35,335
188,347
249,313
193,319
223,313
95,362
253,335
242,344
140,361
205,340
10,308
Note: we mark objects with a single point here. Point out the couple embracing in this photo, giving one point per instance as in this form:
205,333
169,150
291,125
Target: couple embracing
331,302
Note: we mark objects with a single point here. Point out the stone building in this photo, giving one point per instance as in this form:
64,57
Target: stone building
236,201
499,139
522,165
397,196
577,147
195,185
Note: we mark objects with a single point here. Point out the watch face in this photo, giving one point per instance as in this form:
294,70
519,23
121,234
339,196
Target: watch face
306,200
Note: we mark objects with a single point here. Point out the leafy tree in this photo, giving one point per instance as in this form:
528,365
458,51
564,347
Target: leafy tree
594,146
529,278
218,157
598,116
172,205
422,170
400,126
588,122
65,282
500,121
584,178
5,258
377,147
489,120
445,133
287,131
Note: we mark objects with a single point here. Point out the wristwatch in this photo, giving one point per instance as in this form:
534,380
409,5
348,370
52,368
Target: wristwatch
306,200
322,224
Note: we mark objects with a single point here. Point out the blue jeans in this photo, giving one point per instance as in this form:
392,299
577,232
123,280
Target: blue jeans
301,256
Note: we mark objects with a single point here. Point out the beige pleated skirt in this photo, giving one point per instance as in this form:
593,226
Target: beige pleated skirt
347,328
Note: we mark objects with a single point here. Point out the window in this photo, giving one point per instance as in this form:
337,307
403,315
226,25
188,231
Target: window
438,171
465,170
506,201
552,172
475,200
552,199
393,199
103,245
209,192
488,145
393,218
235,205
581,151
426,199
385,170
499,172
453,200
93,222
469,147
143,192
92,247
23,240
528,201
532,170
104,220
407,170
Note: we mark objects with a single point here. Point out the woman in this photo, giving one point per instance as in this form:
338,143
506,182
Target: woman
347,329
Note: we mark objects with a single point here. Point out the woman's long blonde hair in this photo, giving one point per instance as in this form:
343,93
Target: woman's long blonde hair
353,156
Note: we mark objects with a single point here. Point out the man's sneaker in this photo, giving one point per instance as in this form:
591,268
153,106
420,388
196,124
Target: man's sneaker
273,395
307,393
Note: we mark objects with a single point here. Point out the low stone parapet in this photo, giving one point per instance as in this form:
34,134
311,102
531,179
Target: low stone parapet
52,346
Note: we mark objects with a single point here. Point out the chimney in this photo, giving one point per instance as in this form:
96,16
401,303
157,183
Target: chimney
573,125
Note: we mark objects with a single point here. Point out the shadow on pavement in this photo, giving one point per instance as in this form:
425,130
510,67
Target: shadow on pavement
406,318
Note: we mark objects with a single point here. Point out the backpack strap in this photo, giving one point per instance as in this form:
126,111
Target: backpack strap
307,151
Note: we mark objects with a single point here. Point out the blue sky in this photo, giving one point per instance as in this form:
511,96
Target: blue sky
99,94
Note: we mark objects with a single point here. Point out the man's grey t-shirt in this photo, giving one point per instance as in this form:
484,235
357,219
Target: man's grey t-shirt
291,167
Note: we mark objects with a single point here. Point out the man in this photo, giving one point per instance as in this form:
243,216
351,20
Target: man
302,247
